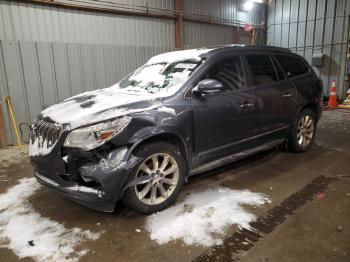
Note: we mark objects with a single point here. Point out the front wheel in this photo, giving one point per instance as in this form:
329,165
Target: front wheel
303,131
157,179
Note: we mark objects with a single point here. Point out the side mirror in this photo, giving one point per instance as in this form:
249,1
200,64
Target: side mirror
207,86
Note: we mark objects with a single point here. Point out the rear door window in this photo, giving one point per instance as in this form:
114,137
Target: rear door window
293,66
262,68
278,69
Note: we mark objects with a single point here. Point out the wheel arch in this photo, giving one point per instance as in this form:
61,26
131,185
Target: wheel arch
167,136
310,105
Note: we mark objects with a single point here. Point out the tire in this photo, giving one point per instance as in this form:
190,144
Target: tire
168,186
303,131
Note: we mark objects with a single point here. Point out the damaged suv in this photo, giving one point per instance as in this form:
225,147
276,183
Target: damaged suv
180,114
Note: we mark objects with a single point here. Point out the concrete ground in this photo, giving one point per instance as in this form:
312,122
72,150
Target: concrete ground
310,234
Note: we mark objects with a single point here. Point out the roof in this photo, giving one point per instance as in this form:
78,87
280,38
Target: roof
248,47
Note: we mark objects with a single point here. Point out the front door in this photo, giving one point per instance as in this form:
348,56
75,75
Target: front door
223,120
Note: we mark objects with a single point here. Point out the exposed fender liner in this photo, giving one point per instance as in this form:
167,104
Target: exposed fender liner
156,134
307,105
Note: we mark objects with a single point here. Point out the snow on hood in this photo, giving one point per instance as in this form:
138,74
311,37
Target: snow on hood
99,105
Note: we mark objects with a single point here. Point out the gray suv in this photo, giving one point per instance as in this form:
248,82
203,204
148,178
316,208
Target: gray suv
180,114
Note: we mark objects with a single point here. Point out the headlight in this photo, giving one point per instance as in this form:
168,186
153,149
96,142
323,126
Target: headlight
90,137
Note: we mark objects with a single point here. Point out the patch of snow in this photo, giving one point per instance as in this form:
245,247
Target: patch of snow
83,189
73,112
65,159
203,216
39,147
168,110
116,112
178,56
19,223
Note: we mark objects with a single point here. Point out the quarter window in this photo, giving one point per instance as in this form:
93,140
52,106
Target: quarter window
229,72
293,66
262,69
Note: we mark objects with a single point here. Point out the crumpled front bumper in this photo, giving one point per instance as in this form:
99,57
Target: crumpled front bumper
86,196
111,172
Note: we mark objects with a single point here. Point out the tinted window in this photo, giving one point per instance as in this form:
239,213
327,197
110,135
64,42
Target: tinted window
229,72
293,66
278,70
262,69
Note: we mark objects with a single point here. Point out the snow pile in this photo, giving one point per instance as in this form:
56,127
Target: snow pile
19,223
204,216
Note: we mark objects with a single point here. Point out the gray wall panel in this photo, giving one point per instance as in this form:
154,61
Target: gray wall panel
60,61
28,22
46,74
315,26
199,35
31,79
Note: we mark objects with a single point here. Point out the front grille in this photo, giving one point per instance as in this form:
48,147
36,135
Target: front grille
47,132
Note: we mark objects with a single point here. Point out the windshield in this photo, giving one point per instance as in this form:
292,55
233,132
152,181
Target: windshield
159,78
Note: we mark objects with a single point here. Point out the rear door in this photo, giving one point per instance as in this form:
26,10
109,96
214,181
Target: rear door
275,96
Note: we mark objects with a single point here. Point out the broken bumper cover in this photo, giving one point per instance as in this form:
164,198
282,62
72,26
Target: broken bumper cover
111,173
86,196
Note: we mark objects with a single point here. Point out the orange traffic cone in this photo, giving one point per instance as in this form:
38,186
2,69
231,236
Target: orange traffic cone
332,102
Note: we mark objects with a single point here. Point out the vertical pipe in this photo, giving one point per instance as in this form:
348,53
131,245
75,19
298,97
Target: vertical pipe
178,24
9,104
3,138
235,30
297,34
305,33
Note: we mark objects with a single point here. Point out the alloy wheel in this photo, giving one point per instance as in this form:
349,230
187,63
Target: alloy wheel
156,179
305,131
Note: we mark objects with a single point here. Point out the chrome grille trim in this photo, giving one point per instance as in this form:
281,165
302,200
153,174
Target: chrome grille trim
47,132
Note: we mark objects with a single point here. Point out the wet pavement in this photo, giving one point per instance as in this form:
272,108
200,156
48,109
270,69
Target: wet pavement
309,235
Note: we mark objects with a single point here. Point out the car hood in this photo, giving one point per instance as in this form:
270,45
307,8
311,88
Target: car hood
99,105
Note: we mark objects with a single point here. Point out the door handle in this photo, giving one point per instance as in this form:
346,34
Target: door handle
247,105
287,95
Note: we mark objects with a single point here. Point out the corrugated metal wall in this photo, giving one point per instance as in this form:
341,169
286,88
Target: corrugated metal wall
48,54
313,26
225,9
197,35
28,22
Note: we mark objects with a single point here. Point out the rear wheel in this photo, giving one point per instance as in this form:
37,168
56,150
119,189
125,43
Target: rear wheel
157,179
303,131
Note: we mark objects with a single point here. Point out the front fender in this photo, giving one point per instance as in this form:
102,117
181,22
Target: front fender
151,133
